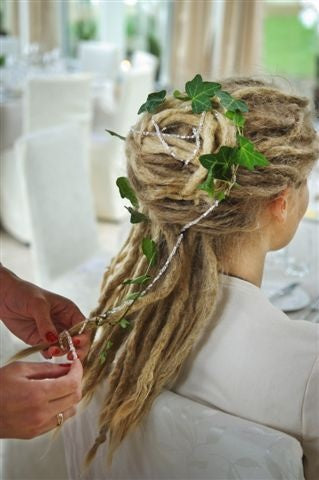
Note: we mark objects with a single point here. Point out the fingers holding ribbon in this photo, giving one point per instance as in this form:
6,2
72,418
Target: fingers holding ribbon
74,347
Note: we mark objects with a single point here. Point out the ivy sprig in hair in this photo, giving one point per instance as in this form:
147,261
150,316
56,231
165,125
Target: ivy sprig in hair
222,165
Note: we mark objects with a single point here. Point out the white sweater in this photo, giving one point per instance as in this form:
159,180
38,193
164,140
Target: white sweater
260,365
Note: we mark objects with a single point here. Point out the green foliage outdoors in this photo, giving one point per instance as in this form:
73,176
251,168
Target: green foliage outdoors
289,47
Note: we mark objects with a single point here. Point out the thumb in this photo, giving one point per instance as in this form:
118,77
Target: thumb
42,317
42,370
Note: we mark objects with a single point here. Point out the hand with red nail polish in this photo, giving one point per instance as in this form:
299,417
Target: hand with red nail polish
81,344
33,314
32,394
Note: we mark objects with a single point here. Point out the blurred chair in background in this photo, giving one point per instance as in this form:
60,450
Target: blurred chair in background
141,59
9,46
51,100
107,153
65,247
48,101
100,58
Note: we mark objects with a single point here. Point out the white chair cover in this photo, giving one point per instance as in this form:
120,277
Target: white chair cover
141,59
10,123
99,58
9,45
137,83
49,101
59,199
65,245
181,439
107,156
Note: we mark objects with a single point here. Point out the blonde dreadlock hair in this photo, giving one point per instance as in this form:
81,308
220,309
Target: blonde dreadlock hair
167,321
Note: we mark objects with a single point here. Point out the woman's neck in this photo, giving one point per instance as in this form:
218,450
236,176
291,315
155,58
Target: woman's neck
247,263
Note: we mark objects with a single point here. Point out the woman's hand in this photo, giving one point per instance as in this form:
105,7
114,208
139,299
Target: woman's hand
36,315
33,394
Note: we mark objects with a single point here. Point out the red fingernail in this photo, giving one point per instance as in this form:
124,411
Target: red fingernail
51,337
76,342
56,351
70,356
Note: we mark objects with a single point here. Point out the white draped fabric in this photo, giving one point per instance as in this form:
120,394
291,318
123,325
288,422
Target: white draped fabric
259,369
182,439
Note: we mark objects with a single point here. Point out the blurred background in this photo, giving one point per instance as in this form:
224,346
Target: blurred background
233,37
71,69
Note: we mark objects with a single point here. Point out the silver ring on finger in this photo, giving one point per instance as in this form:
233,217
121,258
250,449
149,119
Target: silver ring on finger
59,419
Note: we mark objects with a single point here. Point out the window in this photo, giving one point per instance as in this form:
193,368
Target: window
291,42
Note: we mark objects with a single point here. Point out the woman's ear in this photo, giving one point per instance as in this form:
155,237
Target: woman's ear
278,207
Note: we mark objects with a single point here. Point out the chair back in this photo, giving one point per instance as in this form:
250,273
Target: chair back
52,100
141,59
183,439
9,45
64,230
99,58
137,83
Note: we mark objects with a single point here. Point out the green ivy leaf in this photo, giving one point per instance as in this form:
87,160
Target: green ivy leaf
208,185
236,117
136,216
114,134
247,156
133,296
137,281
126,191
207,160
180,96
149,250
219,163
154,100
201,93
124,323
103,354
102,357
219,168
220,196
224,155
230,103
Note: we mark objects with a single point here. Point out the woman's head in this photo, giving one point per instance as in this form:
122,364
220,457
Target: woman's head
277,123
163,153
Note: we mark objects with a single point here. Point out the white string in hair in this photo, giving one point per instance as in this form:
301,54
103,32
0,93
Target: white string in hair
163,142
66,335
166,264
146,133
170,151
177,244
160,134
197,132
